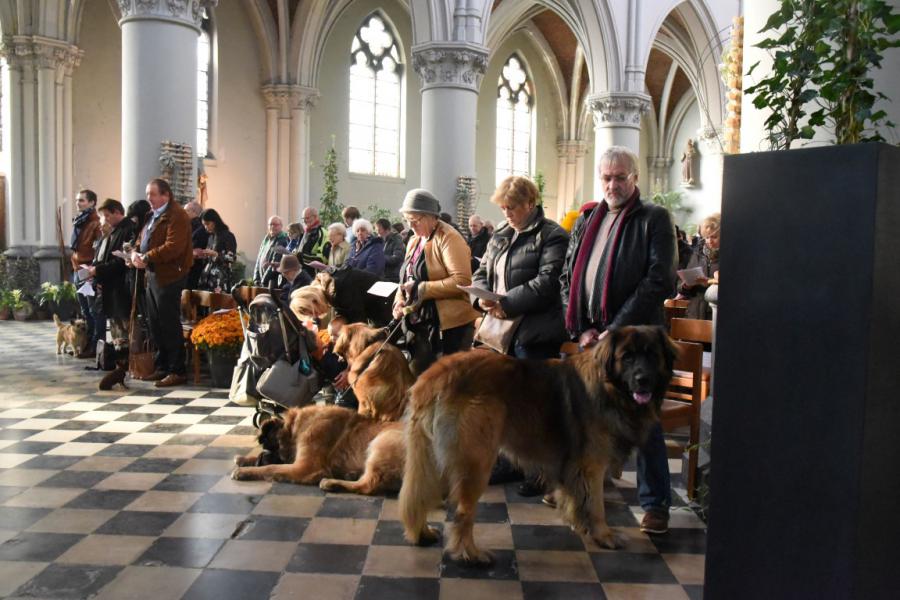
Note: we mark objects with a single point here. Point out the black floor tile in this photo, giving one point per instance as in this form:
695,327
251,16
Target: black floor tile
545,537
17,434
221,420
631,567
30,448
126,450
232,585
239,504
165,428
681,541
619,515
350,508
187,483
182,439
180,552
390,533
138,523
101,437
140,417
38,547
104,499
275,529
54,463
197,410
486,512
154,465
8,491
292,489
14,518
244,430
79,425
694,592
388,588
222,452
546,590
59,581
328,558
503,567
68,415
179,401
74,479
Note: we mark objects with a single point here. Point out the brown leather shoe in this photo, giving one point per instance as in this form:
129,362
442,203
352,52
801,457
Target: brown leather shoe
655,521
172,379
155,376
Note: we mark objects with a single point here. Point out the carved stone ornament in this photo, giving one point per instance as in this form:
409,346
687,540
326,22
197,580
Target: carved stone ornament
286,98
38,52
618,108
183,12
712,139
452,64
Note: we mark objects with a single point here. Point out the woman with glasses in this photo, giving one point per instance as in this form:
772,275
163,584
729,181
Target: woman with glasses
706,256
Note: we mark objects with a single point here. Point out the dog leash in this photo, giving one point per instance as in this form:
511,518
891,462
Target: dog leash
377,352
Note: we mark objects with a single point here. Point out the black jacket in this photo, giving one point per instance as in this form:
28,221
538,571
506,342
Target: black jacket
478,245
351,300
394,253
533,266
110,272
643,274
225,242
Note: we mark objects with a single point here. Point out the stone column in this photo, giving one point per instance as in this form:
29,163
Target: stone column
451,74
571,164
159,84
617,122
287,143
39,163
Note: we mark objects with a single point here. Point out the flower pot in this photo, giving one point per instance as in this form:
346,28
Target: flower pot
221,366
4,313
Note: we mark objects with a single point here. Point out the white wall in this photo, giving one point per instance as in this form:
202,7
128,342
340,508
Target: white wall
705,196
237,176
330,116
544,132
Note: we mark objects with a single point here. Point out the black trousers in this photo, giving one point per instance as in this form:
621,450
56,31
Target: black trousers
164,318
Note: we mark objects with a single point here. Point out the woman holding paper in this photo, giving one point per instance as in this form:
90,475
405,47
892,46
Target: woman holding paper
439,318
522,265
706,258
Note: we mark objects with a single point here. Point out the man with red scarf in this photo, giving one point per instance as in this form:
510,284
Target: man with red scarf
620,267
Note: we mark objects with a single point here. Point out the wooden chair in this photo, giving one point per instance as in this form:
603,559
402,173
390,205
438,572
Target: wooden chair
675,309
694,330
681,407
248,293
191,301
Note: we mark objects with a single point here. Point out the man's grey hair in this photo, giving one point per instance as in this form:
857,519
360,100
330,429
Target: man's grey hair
477,219
620,154
339,227
275,218
362,224
193,208
312,211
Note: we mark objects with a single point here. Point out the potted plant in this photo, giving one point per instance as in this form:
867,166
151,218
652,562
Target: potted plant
21,307
5,304
220,335
805,378
61,300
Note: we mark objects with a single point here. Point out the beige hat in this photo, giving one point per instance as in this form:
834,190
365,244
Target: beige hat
289,262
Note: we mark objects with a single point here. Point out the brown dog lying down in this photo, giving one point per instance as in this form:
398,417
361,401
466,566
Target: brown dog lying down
567,418
381,383
330,446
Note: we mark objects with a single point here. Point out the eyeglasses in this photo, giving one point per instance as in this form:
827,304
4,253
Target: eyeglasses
617,178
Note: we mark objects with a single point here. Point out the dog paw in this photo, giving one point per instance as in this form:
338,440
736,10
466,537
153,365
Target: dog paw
472,557
609,538
237,474
330,485
428,537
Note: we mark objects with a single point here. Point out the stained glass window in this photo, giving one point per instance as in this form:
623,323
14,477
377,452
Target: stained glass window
515,99
376,73
204,74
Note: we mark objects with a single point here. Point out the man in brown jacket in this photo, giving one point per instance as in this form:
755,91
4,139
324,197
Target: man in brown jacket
85,231
166,252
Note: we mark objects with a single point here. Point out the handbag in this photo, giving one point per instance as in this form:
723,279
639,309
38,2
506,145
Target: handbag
243,390
141,359
497,334
290,383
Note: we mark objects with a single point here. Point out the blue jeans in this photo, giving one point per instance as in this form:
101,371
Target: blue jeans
654,487
534,351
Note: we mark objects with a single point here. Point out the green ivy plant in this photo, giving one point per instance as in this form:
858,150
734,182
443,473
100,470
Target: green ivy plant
822,52
541,183
378,212
330,209
673,201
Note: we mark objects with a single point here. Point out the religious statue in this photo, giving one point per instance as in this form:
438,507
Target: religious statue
687,163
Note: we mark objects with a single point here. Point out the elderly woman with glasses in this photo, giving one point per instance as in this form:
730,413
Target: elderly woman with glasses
706,257
439,317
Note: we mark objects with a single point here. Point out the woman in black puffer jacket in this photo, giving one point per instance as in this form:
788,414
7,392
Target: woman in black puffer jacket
522,262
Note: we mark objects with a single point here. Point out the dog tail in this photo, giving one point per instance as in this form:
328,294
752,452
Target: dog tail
421,489
57,321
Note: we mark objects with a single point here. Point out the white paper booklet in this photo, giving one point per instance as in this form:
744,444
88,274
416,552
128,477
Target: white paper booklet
481,293
690,276
383,289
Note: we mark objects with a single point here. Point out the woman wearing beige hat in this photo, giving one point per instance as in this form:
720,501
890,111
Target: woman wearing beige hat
440,319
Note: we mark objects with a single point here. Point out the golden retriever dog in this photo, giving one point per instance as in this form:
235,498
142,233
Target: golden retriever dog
330,446
310,302
72,335
380,378
567,418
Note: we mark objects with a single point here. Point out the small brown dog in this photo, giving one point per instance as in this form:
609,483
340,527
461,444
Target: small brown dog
72,335
113,378
380,379
310,445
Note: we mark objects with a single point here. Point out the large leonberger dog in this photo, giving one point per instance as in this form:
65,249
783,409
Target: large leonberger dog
569,419
379,374
330,446
343,293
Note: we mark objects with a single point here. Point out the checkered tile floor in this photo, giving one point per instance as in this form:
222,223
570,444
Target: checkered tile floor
127,494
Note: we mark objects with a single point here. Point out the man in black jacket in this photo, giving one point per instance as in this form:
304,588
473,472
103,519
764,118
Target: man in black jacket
394,250
109,271
478,240
619,269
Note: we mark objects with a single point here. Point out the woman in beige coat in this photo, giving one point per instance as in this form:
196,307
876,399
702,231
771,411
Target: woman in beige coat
340,248
439,317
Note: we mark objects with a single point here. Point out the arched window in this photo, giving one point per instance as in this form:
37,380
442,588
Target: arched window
515,98
204,86
376,76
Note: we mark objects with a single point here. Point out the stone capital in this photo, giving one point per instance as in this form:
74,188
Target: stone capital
181,12
285,97
450,64
40,52
618,109
571,150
